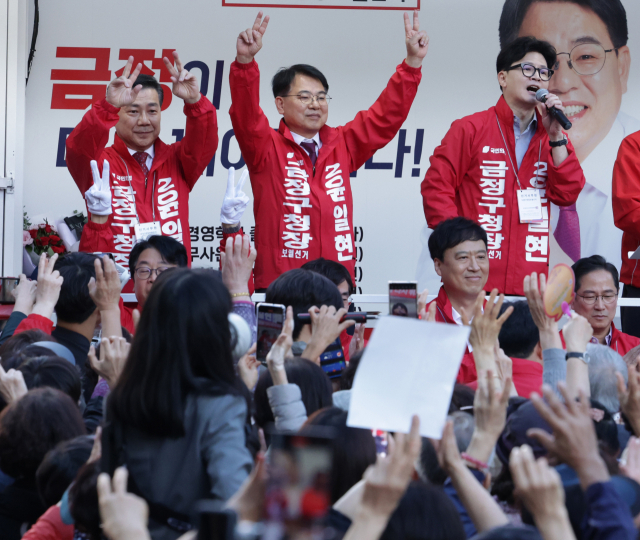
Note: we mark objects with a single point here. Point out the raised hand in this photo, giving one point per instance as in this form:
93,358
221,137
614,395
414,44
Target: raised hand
553,127
24,295
248,368
629,396
49,285
237,264
121,91
548,327
417,41
235,200
280,350
577,333
12,385
325,329
486,326
185,84
113,356
98,196
250,41
105,288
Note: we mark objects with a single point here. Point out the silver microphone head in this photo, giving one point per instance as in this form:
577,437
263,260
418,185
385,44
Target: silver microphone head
541,94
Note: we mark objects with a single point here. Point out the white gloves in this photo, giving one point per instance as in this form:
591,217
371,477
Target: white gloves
235,200
98,196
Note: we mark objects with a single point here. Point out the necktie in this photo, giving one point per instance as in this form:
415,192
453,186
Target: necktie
311,148
567,231
141,158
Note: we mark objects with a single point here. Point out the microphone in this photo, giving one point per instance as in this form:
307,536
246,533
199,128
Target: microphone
541,95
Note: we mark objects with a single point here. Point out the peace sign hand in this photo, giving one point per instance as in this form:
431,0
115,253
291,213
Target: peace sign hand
121,91
98,196
417,41
185,84
250,41
235,200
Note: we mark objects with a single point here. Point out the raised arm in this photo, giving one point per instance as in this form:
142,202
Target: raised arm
89,138
626,187
200,141
250,124
373,129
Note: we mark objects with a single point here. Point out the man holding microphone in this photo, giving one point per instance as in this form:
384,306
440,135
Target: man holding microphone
502,166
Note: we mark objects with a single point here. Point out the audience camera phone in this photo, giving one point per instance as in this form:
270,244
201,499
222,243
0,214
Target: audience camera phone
215,524
298,494
403,298
332,360
270,323
358,316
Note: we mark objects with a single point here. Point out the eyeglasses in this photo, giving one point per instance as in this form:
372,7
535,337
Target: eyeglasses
529,71
590,300
306,98
144,273
586,58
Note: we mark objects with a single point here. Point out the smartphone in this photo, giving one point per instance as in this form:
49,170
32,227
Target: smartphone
332,360
403,298
215,524
298,493
270,322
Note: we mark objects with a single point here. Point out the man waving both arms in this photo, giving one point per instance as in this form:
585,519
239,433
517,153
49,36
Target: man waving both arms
148,190
300,173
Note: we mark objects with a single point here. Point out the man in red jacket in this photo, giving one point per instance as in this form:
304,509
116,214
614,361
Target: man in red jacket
300,174
147,190
597,299
626,214
486,159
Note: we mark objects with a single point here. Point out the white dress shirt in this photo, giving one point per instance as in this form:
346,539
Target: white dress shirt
151,153
316,138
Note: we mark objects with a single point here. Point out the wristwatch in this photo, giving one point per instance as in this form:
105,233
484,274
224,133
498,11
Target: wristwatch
583,356
555,144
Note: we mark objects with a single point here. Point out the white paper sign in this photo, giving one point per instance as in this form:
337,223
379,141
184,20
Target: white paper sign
409,367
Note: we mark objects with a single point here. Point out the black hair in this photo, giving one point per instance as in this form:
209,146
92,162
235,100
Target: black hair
75,304
283,79
60,466
54,372
519,334
462,399
32,426
430,469
172,251
610,12
451,232
18,342
354,449
314,384
183,335
83,500
346,379
424,513
147,81
518,48
333,270
586,265
302,289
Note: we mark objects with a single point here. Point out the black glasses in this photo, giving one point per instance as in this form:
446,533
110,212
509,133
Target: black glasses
529,71
586,58
306,98
145,273
591,299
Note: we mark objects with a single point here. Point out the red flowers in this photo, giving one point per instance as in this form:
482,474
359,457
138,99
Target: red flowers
47,228
33,233
54,239
45,240
58,249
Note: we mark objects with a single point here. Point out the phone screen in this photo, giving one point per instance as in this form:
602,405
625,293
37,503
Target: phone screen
270,323
332,359
403,298
298,494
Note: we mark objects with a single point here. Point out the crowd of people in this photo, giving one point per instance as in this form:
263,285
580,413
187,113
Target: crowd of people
129,435
164,421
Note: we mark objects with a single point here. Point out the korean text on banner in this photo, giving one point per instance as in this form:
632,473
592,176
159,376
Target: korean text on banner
409,367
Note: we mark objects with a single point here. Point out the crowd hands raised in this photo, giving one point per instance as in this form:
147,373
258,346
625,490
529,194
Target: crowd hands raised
177,408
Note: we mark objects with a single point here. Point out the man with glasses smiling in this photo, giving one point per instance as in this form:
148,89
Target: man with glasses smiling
303,205
495,165
597,299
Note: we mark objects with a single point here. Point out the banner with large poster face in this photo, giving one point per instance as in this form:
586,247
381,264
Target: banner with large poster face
357,45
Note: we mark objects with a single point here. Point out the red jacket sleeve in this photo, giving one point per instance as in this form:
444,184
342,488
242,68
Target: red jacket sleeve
200,141
88,140
223,244
97,237
373,129
250,125
35,322
565,182
626,187
447,168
